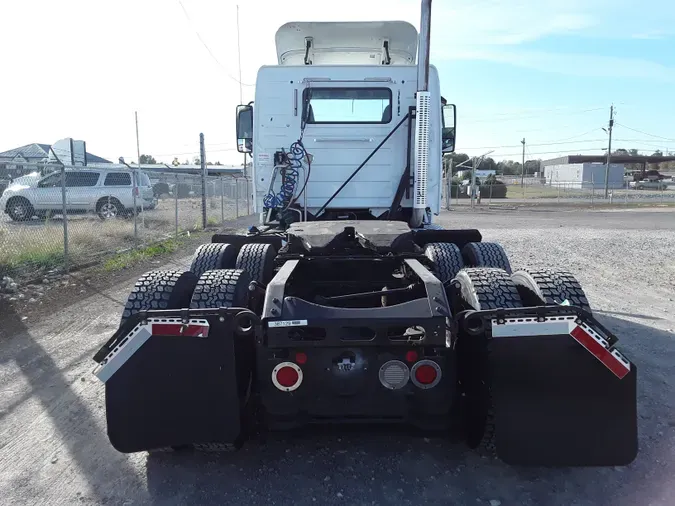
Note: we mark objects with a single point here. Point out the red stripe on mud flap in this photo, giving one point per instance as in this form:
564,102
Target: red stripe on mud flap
600,352
179,329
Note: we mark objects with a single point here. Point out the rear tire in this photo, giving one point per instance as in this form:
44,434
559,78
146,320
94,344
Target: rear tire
486,288
221,288
486,254
258,261
548,287
109,208
20,209
447,259
228,288
160,289
213,256
480,289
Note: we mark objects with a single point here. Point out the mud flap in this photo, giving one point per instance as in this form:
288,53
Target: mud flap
556,404
172,390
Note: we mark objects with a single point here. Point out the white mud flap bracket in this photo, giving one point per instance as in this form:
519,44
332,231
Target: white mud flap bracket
130,344
593,341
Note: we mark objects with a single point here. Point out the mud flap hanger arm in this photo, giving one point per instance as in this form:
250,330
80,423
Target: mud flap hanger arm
239,314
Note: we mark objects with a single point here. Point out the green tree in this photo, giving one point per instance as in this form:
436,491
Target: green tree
147,160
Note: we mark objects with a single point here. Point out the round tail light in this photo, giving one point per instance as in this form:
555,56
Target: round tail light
426,374
287,376
394,374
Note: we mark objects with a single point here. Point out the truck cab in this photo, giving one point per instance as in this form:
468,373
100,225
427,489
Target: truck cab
342,99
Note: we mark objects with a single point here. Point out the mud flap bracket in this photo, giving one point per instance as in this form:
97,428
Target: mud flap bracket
173,382
562,394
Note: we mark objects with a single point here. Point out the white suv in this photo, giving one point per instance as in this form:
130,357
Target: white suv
107,192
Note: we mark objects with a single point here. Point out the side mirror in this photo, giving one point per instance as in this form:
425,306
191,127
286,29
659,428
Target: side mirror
245,128
449,121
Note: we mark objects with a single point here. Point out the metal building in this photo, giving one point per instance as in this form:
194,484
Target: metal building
584,175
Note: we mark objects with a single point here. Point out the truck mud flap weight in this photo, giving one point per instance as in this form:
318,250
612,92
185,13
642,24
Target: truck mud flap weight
557,404
172,390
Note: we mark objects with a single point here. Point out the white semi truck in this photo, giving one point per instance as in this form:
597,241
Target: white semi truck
348,305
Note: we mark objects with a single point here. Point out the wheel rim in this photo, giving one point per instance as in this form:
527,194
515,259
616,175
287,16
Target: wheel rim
108,210
20,210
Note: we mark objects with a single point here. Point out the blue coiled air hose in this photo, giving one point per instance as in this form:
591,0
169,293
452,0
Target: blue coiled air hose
289,173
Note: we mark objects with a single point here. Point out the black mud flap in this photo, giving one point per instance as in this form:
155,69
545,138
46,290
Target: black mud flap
557,404
173,387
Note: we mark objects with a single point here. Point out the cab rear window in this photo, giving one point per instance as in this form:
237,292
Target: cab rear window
347,105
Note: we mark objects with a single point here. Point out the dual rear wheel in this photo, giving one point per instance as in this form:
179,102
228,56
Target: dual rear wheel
219,277
479,277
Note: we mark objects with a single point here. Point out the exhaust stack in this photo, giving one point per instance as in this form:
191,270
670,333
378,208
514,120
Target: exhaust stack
422,119
423,47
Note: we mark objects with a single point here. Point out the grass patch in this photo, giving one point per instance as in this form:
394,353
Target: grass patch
31,260
129,258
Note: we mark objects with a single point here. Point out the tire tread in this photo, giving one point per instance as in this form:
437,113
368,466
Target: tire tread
486,254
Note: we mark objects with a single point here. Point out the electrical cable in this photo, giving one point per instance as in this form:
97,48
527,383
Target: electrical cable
290,170
645,133
208,49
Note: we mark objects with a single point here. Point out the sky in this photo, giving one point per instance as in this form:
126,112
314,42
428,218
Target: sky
544,70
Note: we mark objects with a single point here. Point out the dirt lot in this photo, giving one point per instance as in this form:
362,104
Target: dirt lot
53,447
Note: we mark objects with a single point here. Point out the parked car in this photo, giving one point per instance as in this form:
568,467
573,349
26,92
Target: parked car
106,192
647,184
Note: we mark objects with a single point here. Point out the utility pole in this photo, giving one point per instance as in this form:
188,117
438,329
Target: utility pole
241,101
609,150
522,172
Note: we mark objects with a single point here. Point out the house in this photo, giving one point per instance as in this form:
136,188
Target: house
25,159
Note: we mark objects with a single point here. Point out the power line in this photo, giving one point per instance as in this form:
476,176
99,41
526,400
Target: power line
536,111
599,148
519,116
581,135
535,144
185,12
645,133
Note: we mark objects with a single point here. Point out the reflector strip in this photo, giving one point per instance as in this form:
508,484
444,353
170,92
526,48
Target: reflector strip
613,360
584,334
131,343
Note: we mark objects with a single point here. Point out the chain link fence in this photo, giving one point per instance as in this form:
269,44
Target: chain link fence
58,217
507,190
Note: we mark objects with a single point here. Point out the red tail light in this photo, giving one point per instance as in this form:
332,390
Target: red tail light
426,374
287,376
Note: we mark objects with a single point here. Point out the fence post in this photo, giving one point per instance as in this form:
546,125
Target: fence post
64,210
222,199
448,193
592,188
175,198
248,198
134,175
490,201
236,196
202,156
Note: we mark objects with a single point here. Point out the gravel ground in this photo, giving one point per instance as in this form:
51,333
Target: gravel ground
53,447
